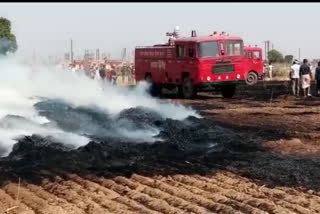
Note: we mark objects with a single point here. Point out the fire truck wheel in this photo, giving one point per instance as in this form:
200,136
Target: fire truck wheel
252,78
188,89
228,91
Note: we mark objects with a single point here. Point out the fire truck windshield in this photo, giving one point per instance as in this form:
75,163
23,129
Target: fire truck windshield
234,48
208,49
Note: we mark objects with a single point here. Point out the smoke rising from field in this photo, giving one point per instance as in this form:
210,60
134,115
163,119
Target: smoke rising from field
22,86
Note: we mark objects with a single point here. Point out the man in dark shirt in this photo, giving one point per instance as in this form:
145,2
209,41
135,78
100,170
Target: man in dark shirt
317,77
102,72
305,76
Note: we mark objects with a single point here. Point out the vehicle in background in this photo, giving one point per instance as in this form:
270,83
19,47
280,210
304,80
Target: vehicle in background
253,65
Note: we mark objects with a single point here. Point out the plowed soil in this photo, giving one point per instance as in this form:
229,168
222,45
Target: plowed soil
270,165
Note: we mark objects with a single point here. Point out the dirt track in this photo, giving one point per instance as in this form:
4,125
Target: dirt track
275,170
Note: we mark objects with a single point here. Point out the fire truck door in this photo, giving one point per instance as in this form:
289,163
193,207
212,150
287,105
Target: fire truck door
256,60
175,72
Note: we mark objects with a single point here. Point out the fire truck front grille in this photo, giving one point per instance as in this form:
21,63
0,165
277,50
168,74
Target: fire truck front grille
223,69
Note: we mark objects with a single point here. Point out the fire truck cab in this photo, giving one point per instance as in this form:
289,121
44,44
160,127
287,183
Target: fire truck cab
193,64
253,65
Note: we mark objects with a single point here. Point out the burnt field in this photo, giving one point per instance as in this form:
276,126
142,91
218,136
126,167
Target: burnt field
255,153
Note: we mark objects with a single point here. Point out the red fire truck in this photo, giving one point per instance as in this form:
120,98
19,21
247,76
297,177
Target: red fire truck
253,64
193,64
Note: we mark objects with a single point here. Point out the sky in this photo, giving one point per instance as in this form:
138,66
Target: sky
46,28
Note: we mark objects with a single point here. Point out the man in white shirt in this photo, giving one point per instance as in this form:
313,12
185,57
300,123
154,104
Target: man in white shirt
270,71
97,76
294,76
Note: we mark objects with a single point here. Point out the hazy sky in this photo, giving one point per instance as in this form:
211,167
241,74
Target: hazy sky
47,28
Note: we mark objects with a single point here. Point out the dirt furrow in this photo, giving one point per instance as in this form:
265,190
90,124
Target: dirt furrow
294,192
216,197
151,203
186,195
136,203
137,187
93,187
304,199
103,196
234,179
294,208
7,202
295,201
54,199
232,194
39,205
156,193
73,194
97,197
110,194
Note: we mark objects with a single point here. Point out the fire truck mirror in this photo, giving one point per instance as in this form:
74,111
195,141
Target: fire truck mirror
222,52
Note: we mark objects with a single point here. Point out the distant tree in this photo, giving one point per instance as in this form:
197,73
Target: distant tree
288,59
8,41
275,56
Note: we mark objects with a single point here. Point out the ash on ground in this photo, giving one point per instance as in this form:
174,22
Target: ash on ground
109,147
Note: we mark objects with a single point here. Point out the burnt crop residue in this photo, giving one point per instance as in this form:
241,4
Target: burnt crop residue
109,146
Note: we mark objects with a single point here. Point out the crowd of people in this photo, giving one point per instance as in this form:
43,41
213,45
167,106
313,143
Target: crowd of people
301,76
104,72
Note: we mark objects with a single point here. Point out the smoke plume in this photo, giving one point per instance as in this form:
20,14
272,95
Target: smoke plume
22,87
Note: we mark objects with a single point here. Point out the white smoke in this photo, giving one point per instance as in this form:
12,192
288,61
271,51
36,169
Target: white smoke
12,130
21,85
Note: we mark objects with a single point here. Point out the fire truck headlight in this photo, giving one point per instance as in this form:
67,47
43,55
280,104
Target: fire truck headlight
238,76
208,78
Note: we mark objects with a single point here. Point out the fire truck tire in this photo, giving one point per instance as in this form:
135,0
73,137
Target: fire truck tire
188,90
180,92
228,91
252,78
155,90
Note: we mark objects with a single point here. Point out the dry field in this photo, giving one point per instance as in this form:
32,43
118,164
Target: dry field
275,170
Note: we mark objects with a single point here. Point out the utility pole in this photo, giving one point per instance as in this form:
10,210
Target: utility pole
123,54
71,51
86,54
299,55
98,54
266,49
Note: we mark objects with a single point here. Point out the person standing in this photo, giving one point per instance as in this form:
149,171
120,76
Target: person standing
114,77
317,77
97,75
294,76
102,73
305,76
74,68
270,70
81,71
123,73
109,76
